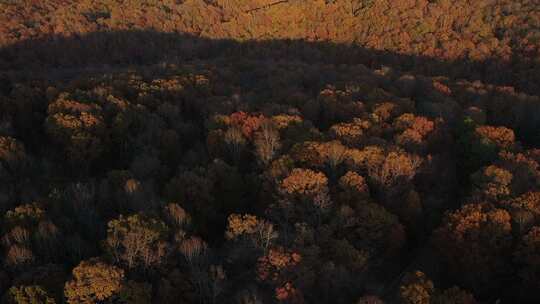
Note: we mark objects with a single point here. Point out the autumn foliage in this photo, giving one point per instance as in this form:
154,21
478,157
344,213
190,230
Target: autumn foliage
247,152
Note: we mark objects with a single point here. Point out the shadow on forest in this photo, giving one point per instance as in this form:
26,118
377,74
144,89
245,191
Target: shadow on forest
62,57
57,57
148,47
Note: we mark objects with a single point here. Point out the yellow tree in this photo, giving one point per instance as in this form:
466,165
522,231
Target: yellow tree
93,281
304,183
78,127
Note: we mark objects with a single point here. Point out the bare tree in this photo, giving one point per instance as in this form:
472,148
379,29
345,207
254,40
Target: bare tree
234,138
267,142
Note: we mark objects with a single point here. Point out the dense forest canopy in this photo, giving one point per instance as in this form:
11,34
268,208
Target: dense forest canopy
499,34
198,151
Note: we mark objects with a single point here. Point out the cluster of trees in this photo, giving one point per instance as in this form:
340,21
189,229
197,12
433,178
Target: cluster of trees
313,184
496,41
276,171
433,28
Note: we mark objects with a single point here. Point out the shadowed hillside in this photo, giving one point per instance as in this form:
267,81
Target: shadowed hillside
110,51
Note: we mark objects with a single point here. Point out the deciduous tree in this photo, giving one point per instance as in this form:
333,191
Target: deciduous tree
137,241
93,281
475,242
267,142
416,288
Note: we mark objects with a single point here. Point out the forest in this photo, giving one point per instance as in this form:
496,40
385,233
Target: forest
264,151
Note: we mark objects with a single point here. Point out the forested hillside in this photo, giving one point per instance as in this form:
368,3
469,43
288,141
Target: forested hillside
253,152
501,38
